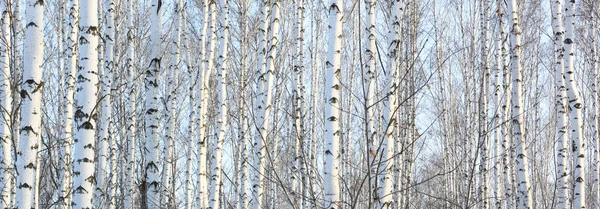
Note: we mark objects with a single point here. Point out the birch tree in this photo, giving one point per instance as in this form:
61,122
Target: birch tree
217,159
331,167
483,104
131,101
86,111
152,168
31,96
261,112
524,198
561,111
6,161
67,132
575,106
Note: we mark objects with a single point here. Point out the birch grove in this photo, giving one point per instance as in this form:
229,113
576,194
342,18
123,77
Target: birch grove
299,104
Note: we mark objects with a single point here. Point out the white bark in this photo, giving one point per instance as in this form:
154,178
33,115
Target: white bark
168,196
368,82
31,95
391,106
86,111
153,164
561,108
5,109
192,71
67,134
575,107
331,176
261,114
205,94
202,198
131,101
217,158
103,167
483,106
298,179
523,196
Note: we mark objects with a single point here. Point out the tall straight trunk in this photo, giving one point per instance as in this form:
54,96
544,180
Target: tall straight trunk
505,114
193,72
245,136
5,108
261,116
298,97
103,167
575,107
67,132
596,119
153,164
131,101
331,176
391,106
168,196
31,96
562,136
523,196
109,43
483,105
202,90
86,113
368,81
217,158
269,137
498,122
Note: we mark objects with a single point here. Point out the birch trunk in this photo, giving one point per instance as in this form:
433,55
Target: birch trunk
261,114
168,196
67,134
391,106
5,110
331,176
131,101
217,158
106,139
575,107
498,117
483,106
194,73
298,96
31,96
561,108
202,197
86,113
523,196
369,69
153,165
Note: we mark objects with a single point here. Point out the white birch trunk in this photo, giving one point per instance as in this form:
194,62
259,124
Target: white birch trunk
103,167
202,197
86,112
153,164
5,109
269,137
217,158
331,176
483,106
130,191
245,137
523,196
261,113
67,134
31,96
575,107
561,108
192,71
208,67
168,196
298,96
368,82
